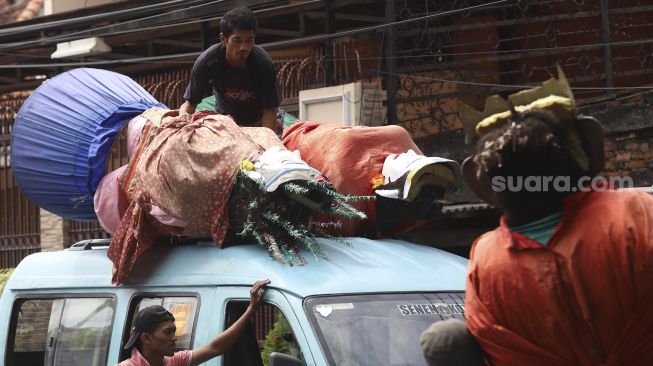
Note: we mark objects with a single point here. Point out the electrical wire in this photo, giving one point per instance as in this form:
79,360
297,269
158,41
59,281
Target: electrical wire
166,25
375,27
155,27
461,82
472,83
170,58
294,42
500,52
107,62
75,35
267,45
69,36
594,104
372,58
109,16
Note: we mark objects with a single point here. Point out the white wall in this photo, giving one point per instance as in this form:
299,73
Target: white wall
59,6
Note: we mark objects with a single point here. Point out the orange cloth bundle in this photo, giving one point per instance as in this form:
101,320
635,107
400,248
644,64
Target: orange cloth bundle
350,158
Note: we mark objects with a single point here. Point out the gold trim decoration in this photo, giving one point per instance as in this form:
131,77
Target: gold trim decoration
554,94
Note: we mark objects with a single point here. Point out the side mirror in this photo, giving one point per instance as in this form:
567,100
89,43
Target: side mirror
282,359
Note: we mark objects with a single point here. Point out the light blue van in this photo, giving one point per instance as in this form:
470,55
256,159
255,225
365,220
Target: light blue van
364,305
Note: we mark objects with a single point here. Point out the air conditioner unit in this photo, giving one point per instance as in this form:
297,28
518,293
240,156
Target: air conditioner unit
81,47
353,104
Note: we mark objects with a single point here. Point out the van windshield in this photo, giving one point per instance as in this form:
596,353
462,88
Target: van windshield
379,329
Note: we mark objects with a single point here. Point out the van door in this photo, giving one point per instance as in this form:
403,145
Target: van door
275,328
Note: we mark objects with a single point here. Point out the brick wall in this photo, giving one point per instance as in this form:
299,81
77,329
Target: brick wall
54,231
32,329
631,154
629,137
628,140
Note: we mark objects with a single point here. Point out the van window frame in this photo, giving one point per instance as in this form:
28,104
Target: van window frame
321,340
22,298
129,317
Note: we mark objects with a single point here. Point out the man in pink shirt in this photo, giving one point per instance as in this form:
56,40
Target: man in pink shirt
153,341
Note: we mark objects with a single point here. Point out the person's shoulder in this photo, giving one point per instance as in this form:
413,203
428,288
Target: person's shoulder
214,53
487,245
216,48
622,198
261,55
635,200
633,194
181,358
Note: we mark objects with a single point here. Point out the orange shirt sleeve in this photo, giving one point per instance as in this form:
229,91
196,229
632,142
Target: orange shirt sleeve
500,345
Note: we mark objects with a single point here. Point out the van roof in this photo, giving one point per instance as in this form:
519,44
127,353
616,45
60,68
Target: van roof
365,266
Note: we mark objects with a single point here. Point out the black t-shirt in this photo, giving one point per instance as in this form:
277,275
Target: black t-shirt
241,93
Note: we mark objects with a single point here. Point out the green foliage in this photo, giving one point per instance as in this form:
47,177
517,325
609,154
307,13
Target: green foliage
5,273
275,340
82,338
281,221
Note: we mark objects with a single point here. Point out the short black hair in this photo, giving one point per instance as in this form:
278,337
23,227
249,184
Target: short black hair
238,18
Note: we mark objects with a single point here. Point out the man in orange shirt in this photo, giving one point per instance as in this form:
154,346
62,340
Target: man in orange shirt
566,278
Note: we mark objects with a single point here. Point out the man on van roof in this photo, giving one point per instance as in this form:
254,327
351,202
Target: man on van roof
153,340
243,74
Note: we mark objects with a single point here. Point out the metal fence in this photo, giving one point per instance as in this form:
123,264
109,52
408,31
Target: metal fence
19,218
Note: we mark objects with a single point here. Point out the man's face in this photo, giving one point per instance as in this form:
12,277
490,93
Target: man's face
163,339
239,45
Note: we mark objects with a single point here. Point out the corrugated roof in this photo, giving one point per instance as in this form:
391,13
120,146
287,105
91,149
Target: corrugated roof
480,206
466,207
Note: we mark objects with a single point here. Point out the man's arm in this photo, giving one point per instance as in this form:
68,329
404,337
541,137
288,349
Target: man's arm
226,339
187,107
269,118
198,83
269,92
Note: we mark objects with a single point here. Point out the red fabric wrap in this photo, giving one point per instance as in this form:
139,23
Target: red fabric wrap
349,157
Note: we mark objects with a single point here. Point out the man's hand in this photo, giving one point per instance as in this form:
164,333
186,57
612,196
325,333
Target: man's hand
187,108
256,294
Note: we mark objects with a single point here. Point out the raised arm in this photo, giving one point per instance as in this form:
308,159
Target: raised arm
226,339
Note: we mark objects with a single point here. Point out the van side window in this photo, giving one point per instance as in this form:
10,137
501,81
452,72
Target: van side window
268,332
183,308
62,331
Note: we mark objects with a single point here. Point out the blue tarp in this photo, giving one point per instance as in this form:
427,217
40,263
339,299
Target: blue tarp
63,134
